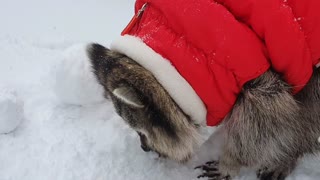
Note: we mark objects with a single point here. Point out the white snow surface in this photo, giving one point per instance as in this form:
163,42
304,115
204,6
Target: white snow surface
63,140
75,83
11,110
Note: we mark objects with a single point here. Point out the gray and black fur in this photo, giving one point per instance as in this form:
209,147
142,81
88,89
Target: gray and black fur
268,129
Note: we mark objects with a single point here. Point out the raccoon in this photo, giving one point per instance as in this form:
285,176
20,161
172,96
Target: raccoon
268,129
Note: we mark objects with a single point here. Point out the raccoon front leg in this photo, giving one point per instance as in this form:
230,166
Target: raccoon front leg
266,128
228,164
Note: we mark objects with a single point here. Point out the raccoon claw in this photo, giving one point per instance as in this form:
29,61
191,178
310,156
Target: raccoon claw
211,171
214,176
206,168
212,163
208,165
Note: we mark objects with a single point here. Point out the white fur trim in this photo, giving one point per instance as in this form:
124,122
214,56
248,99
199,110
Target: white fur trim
318,65
178,88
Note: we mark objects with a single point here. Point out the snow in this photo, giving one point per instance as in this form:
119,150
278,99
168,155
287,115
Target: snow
64,135
11,110
74,81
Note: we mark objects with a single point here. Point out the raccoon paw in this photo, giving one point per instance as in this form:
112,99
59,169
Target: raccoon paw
264,174
211,171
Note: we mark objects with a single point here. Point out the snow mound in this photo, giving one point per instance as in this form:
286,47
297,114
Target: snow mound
11,110
75,82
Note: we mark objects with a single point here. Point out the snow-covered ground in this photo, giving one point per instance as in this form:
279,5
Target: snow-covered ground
58,141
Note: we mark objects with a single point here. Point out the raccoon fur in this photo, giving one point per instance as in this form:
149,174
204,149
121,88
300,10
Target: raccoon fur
268,129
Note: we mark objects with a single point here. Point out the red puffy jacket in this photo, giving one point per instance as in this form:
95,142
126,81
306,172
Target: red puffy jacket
290,30
212,46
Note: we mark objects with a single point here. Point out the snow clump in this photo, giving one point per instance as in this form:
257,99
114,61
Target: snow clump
75,82
11,110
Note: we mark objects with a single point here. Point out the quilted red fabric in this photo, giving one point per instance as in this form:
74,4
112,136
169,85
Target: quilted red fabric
290,30
212,45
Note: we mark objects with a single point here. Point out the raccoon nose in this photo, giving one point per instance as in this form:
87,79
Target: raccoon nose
145,148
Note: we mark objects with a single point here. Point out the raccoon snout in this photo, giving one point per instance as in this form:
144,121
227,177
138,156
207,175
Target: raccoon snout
143,141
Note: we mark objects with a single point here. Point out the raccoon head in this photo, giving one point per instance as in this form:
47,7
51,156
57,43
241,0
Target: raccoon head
144,105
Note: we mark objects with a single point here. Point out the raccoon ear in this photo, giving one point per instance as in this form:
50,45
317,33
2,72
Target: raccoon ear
129,96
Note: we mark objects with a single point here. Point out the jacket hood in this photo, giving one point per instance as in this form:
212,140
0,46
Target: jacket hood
203,55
